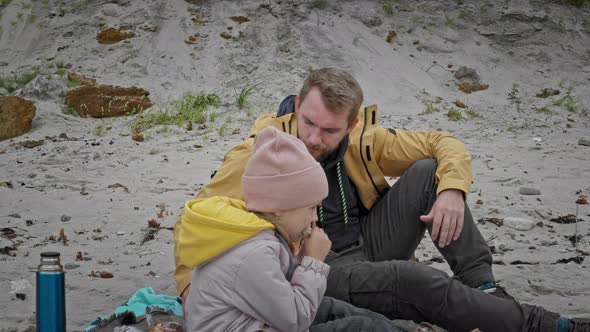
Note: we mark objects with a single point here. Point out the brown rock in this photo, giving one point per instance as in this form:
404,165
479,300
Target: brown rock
192,40
113,36
459,103
99,101
390,36
469,87
239,19
16,116
225,35
84,80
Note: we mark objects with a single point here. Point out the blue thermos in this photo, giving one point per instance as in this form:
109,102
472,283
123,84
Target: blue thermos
51,296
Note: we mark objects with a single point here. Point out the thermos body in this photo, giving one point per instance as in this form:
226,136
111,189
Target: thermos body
51,302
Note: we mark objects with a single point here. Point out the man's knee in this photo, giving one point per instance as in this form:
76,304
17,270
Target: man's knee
424,166
421,177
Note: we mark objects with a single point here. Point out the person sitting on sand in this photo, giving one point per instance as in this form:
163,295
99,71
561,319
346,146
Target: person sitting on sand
246,276
375,228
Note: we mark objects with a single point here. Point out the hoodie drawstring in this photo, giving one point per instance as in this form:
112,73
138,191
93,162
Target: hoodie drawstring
342,198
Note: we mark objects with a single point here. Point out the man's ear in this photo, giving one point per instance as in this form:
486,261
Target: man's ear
351,125
296,103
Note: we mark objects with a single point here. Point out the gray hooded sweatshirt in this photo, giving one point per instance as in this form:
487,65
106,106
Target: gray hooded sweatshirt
256,285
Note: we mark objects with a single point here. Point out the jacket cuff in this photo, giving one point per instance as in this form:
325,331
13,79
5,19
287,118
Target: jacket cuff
315,265
453,184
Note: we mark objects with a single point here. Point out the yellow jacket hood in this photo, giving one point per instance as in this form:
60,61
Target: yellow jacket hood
211,226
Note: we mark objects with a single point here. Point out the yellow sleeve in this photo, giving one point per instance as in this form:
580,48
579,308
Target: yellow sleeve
226,182
401,148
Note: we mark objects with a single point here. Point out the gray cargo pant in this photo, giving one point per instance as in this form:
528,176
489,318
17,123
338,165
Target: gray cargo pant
338,316
378,275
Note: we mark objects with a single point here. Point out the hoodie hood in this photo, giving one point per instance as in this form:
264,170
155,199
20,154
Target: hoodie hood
212,226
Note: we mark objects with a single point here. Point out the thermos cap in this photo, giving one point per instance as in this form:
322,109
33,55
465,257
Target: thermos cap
50,262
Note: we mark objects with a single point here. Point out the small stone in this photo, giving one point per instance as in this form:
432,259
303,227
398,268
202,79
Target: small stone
120,233
21,296
529,191
502,246
520,224
65,218
14,215
584,142
466,73
71,266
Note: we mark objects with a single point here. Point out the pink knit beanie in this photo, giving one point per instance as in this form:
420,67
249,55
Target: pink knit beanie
281,174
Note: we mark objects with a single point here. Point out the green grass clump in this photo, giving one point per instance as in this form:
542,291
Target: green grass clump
454,114
69,110
61,71
578,3
570,103
189,109
472,112
429,104
449,20
244,95
388,7
60,64
225,127
101,130
543,109
319,4
25,5
13,82
72,83
4,3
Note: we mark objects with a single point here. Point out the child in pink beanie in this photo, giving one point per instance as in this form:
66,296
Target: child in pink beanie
246,275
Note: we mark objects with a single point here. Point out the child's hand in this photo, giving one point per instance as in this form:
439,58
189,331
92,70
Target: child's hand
317,244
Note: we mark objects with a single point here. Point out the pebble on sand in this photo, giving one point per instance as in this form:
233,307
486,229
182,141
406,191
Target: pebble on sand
520,224
584,142
529,191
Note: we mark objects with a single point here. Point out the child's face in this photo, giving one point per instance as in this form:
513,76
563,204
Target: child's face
296,222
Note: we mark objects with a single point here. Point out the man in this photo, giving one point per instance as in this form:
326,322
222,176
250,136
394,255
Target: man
375,229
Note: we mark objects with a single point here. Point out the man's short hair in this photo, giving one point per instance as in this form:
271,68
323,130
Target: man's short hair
340,91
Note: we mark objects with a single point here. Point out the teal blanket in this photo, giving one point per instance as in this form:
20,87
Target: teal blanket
143,299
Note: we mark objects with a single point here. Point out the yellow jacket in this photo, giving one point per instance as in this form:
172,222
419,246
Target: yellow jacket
373,154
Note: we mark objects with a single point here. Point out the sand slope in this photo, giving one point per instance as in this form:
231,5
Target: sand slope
517,48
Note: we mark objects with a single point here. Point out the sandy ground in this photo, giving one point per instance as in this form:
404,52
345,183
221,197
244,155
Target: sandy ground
516,47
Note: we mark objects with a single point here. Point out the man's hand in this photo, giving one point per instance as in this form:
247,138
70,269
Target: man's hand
183,296
446,216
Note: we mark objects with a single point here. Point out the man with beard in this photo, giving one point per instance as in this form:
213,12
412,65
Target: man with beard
375,228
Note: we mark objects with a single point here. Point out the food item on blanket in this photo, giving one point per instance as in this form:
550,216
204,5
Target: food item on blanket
166,327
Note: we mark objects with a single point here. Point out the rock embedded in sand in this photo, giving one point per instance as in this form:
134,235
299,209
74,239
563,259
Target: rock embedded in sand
390,36
469,87
71,266
520,224
547,92
99,101
113,36
239,19
584,142
529,191
16,116
466,73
